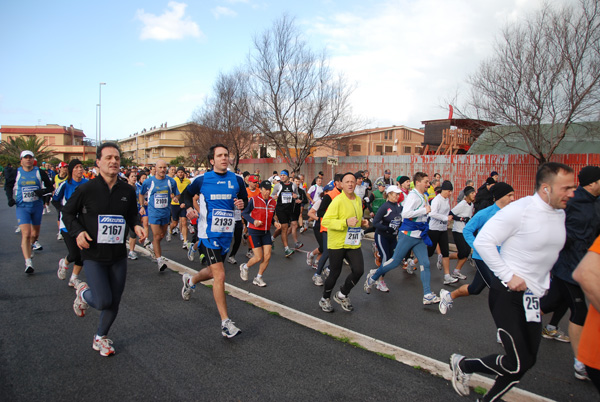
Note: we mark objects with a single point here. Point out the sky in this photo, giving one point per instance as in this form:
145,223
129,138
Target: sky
159,58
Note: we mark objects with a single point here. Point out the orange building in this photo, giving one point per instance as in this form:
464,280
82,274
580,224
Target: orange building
65,142
395,140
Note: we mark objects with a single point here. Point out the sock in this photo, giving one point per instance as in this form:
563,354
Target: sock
258,276
447,276
341,295
73,276
98,337
28,261
456,271
551,328
224,321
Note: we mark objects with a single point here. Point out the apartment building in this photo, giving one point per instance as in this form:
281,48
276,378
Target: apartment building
65,142
395,140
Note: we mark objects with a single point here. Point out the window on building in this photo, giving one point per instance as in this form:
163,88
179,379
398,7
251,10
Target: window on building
379,149
49,140
418,150
388,149
407,150
356,147
406,135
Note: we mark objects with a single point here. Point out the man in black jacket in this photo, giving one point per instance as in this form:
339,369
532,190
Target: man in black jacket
484,197
582,225
96,215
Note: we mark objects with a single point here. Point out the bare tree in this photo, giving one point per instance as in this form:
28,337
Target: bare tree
291,94
223,119
543,77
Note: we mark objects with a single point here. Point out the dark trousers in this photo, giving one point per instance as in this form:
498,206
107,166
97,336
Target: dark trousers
357,267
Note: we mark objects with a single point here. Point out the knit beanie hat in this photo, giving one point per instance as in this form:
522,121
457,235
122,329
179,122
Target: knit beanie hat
500,189
447,185
72,164
402,179
588,175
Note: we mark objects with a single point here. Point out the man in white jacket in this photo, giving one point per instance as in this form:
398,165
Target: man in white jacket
530,232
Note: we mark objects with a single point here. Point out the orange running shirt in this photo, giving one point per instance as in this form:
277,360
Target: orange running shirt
589,344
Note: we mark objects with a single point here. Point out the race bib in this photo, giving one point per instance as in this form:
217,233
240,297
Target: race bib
286,198
222,221
395,223
29,194
353,236
161,200
531,304
111,229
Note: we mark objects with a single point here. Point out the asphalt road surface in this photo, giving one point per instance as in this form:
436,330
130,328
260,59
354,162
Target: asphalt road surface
168,349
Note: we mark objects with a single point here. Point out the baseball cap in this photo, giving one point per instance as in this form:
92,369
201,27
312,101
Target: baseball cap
62,164
253,179
277,178
264,184
27,153
394,189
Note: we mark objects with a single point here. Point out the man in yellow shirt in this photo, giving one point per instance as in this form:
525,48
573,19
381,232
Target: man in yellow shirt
343,220
178,211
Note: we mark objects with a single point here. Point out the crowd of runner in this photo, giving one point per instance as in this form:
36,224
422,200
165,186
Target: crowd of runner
536,255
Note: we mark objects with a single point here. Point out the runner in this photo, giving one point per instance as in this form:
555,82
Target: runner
413,237
484,197
219,191
178,210
530,232
587,275
259,214
461,214
25,188
313,257
343,221
63,174
141,178
438,230
386,223
286,193
132,181
296,216
61,195
96,216
160,189
582,226
504,195
51,175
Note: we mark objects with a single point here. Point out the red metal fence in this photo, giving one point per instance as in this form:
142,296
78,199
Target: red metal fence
517,170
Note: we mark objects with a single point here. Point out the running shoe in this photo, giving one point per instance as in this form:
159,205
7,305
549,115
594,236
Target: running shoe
326,272
439,262
317,280
183,244
162,263
298,245
175,230
411,267
18,229
460,380
150,248
47,209
368,283
555,334
188,288
36,246
445,301
472,262
191,251
249,254
342,300
168,237
104,346
74,282
59,236
458,275
325,305
29,268
132,255
449,280
288,252
231,260
259,282
431,298
244,271
309,259
146,243
79,305
581,373
228,329
245,239
62,270
181,237
381,286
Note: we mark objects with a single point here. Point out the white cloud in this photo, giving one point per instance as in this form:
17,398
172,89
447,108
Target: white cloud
406,57
172,24
221,11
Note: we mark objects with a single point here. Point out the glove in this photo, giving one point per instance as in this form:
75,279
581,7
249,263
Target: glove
40,193
11,202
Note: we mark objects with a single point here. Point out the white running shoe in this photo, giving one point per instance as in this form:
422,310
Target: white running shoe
104,346
431,298
36,246
381,286
168,237
18,229
445,301
188,288
410,266
449,280
317,280
309,259
74,282
228,329
59,236
259,282
249,254
132,255
231,260
460,380
457,274
79,305
439,262
244,271
162,263
62,270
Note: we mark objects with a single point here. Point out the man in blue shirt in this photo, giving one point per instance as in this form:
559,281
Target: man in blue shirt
219,192
160,190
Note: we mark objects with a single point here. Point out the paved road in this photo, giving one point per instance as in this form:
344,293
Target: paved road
168,349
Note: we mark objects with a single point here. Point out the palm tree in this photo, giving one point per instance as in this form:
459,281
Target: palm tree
14,146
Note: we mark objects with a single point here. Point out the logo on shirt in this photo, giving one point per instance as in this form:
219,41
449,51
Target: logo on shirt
123,198
229,184
111,219
220,182
221,212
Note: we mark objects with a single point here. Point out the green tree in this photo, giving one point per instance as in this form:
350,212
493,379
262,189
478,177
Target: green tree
14,146
180,160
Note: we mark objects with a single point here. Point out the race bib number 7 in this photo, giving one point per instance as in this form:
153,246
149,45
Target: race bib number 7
531,304
222,221
111,229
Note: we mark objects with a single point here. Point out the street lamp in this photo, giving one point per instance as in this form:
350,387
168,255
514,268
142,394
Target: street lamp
100,111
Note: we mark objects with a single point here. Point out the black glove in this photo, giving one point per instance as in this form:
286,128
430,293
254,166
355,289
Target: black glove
11,202
40,193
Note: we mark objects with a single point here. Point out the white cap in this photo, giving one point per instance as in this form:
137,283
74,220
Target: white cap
27,153
394,189
277,178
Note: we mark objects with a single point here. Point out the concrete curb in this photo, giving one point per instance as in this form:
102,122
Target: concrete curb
401,355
